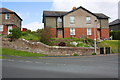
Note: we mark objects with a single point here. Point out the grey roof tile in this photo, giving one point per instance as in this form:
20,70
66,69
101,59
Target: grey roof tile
117,21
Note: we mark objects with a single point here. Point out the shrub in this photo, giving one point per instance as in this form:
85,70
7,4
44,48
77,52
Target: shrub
62,44
24,33
93,53
45,36
15,34
75,54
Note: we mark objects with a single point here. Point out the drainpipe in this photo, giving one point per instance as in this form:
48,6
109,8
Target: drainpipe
95,37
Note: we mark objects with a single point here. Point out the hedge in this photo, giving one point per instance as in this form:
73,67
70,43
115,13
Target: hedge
115,35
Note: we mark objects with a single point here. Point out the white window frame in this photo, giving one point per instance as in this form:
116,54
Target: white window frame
7,16
72,19
72,31
89,31
1,28
88,20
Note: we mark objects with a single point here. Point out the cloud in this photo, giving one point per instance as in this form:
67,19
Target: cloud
34,26
108,7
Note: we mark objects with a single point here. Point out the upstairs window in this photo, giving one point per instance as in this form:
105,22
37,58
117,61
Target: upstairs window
59,22
88,20
1,27
72,19
72,31
59,19
7,16
89,31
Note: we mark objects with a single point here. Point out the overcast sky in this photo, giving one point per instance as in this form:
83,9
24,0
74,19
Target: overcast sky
31,10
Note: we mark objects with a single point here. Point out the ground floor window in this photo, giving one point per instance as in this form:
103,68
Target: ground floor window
72,31
1,27
89,31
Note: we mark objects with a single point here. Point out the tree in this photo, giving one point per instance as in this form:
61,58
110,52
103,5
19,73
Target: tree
44,35
15,34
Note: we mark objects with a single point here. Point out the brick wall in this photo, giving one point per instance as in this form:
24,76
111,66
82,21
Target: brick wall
38,47
104,33
80,32
5,29
53,32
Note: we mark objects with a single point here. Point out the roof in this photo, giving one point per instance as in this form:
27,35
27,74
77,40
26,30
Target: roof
117,21
101,15
54,13
63,13
5,10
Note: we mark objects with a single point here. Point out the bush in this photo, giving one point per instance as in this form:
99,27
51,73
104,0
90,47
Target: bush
75,54
15,34
93,53
45,36
115,35
62,44
24,33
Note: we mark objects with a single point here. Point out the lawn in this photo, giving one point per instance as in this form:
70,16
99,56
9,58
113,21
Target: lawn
111,43
12,52
30,36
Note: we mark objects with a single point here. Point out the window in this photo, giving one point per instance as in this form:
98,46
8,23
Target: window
1,27
7,16
89,32
88,20
59,20
72,19
72,31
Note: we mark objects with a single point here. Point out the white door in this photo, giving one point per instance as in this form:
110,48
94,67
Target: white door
1,28
9,28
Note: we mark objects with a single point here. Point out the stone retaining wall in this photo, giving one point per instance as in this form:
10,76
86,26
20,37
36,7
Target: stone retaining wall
38,47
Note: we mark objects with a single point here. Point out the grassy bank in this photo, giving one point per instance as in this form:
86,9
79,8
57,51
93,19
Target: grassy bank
12,52
114,44
30,36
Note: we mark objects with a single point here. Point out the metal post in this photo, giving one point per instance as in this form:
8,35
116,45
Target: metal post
95,37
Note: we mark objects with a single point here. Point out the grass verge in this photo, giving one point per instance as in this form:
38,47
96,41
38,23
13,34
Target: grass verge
114,44
12,52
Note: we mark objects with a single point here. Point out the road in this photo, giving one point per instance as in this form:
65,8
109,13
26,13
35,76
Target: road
62,67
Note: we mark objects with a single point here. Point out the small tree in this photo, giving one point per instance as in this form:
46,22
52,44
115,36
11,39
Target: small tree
45,35
15,34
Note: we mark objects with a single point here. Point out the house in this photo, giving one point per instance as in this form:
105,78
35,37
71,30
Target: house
115,25
78,22
24,29
8,21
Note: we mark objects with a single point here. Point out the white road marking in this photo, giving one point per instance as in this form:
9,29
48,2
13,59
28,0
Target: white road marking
20,61
28,61
38,62
10,60
61,64
47,63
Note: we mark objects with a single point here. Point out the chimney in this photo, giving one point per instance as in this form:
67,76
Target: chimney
74,8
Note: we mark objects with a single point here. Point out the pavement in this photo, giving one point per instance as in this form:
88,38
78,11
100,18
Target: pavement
105,66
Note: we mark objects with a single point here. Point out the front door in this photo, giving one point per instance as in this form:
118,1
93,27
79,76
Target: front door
60,34
9,28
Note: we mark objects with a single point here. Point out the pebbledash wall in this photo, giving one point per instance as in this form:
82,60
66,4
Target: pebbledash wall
38,47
